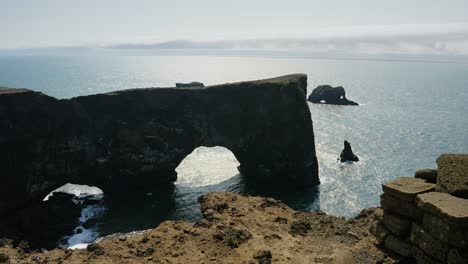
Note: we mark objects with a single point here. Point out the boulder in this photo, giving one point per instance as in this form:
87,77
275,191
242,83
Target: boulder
327,94
132,140
426,174
453,209
191,84
407,188
452,174
347,153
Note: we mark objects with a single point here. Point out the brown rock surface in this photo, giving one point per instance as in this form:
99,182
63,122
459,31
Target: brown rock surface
330,238
453,174
451,208
398,225
444,231
427,243
407,188
401,207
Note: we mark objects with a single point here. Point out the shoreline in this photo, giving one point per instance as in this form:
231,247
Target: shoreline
234,229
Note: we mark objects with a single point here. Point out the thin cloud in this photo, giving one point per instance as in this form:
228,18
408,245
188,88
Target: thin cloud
449,39
425,40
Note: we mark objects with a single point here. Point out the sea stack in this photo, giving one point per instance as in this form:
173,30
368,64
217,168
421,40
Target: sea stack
347,153
326,94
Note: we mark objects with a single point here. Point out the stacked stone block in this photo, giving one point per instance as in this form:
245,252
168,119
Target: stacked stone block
423,223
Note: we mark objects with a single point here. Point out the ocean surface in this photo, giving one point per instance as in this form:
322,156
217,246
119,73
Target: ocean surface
410,113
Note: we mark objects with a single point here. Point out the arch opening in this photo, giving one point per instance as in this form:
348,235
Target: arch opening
87,204
78,190
207,166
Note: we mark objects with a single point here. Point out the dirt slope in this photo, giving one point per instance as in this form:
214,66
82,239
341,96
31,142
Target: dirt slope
235,229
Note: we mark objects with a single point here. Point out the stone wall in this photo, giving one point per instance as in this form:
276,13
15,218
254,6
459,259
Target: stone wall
421,223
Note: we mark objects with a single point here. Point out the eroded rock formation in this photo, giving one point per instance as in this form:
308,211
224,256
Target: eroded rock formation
347,153
134,139
327,94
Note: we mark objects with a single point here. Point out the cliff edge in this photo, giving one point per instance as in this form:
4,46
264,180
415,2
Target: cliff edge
235,229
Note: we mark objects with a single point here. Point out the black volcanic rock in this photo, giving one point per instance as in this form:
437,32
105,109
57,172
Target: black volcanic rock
132,140
42,223
191,84
330,95
347,153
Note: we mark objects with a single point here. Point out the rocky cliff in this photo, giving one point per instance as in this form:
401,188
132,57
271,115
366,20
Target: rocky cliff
134,139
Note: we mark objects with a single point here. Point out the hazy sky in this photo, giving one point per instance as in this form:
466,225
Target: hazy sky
374,26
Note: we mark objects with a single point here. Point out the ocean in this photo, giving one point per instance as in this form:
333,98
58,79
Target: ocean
409,114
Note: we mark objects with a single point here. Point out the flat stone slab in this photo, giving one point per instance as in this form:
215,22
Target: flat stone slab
452,174
401,207
445,206
407,188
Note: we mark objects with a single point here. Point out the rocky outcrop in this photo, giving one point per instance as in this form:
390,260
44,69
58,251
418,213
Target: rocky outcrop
131,140
452,174
327,94
42,225
190,84
347,153
235,229
421,223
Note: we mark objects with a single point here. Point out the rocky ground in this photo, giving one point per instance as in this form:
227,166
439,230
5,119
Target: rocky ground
235,229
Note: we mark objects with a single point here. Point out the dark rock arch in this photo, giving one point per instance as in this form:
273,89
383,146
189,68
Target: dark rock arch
131,139
330,95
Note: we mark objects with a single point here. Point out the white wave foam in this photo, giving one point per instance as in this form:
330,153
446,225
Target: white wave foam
82,236
87,235
79,246
79,191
